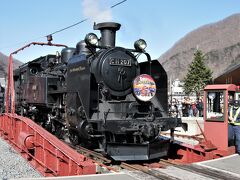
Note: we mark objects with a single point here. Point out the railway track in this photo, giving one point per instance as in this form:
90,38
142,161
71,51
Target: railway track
146,170
93,155
108,163
98,158
151,169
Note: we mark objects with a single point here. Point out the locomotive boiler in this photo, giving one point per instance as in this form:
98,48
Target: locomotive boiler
100,96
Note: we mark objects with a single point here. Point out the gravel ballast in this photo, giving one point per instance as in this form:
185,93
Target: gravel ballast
13,165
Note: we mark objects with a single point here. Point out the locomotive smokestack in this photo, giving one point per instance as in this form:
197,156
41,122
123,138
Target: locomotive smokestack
108,33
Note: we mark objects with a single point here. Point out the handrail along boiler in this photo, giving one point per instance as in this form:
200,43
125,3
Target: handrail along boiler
100,96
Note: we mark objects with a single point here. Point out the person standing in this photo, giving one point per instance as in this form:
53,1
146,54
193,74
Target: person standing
190,109
200,107
179,108
234,124
194,108
185,107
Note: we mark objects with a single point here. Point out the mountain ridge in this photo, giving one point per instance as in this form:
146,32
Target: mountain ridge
4,64
219,41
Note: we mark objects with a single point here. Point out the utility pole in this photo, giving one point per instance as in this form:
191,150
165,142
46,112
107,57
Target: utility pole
171,91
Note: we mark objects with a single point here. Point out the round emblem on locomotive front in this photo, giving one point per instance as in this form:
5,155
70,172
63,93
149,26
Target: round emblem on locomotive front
144,87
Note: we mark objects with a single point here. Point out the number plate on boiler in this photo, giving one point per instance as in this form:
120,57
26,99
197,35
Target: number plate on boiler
120,62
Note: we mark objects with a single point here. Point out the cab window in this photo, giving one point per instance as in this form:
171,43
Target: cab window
215,106
23,77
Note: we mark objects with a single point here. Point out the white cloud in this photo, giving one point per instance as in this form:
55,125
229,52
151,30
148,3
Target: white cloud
92,10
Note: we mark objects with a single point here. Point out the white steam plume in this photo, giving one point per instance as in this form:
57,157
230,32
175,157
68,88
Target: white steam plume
92,10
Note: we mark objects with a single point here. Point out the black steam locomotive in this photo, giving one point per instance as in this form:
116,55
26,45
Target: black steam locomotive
100,96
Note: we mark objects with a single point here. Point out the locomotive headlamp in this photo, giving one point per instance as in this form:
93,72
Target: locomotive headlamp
144,87
140,45
91,39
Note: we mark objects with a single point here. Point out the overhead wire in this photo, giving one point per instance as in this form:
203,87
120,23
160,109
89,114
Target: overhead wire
63,29
77,23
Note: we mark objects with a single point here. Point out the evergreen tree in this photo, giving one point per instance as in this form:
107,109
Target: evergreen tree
198,76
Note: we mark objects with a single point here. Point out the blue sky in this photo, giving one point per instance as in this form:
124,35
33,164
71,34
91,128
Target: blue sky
160,22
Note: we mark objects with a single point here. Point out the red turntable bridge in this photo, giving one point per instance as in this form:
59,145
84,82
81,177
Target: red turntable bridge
46,153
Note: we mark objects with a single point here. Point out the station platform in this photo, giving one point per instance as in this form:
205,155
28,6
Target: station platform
222,168
193,127
109,176
229,165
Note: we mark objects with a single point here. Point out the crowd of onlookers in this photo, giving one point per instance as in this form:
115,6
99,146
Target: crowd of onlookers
186,108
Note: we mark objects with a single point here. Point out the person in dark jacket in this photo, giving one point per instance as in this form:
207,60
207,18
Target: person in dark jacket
200,107
234,124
